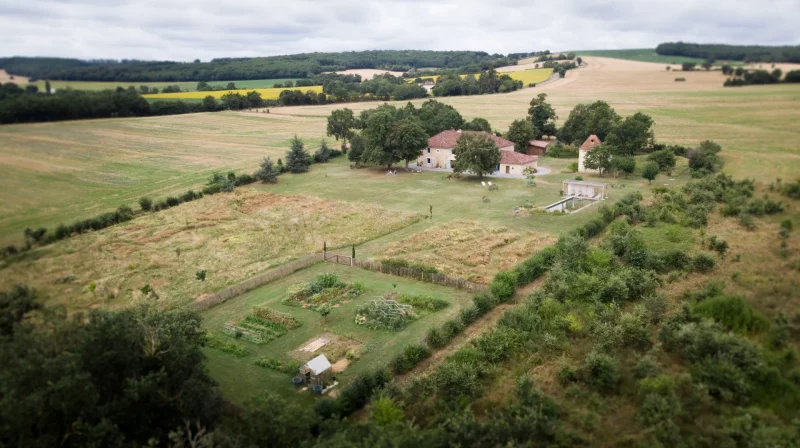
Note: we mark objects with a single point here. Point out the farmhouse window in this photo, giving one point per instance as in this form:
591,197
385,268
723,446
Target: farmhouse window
428,160
429,150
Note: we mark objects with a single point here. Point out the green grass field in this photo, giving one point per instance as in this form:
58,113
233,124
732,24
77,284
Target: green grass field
645,55
239,378
188,86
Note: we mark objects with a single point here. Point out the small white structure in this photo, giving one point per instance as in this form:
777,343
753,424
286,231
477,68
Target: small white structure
592,142
318,371
585,189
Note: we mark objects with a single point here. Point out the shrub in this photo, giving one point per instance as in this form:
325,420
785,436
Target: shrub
594,227
601,371
573,167
664,158
468,315
200,275
703,262
498,345
680,79
791,190
452,328
504,285
787,224
719,245
533,268
747,221
146,204
435,338
412,355
172,201
732,312
484,303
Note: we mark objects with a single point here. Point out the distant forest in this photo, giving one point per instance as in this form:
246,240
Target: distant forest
229,69
746,53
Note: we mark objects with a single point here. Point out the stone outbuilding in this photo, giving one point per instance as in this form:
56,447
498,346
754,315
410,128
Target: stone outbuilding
592,142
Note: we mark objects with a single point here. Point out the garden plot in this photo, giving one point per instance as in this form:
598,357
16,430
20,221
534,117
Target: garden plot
468,249
232,236
262,326
241,366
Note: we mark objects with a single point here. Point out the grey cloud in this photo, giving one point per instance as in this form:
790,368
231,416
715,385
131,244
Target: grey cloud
184,30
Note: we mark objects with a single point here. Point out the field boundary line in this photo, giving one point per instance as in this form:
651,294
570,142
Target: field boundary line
255,282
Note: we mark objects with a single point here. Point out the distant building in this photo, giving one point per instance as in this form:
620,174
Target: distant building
590,143
428,85
439,153
537,147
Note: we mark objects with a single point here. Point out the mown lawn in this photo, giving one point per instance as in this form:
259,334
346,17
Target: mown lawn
239,378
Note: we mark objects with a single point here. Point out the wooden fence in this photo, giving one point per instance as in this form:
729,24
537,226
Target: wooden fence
418,274
254,282
338,259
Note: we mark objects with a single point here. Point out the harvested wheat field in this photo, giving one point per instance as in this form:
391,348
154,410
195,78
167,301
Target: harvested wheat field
471,250
6,77
231,236
53,173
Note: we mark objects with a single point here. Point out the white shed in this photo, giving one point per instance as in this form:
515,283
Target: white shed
585,189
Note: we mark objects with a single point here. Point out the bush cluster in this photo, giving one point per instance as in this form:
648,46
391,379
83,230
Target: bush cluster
411,356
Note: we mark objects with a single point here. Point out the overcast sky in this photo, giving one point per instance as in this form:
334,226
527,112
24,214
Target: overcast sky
187,29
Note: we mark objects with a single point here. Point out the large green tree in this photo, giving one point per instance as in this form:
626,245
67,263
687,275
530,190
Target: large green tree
521,132
388,140
341,123
634,133
377,132
542,116
599,159
408,138
437,117
478,124
584,120
297,158
477,153
122,378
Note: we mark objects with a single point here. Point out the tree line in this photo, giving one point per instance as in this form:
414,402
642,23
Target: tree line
226,69
746,53
27,105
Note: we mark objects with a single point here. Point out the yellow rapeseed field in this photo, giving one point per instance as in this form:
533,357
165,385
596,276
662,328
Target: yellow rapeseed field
267,94
532,76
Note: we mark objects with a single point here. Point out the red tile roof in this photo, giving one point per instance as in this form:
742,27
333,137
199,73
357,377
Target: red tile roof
516,158
447,139
540,143
591,142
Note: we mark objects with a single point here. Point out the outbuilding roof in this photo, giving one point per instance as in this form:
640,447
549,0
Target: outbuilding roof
447,139
516,158
319,364
539,143
585,182
591,142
